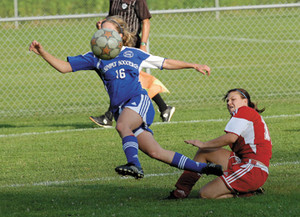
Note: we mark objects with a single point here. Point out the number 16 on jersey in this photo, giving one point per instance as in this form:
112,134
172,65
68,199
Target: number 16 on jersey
120,73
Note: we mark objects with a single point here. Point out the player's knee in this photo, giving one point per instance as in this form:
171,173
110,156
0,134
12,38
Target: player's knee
205,194
154,154
120,127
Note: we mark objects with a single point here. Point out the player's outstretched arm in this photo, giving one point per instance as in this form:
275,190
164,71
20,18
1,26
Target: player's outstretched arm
221,141
177,64
59,65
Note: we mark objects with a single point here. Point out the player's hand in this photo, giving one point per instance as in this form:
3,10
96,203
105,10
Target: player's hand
195,143
204,69
36,47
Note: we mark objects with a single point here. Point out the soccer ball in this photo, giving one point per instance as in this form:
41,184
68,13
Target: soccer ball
106,44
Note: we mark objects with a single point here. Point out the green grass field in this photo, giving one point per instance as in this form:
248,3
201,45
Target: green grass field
64,166
56,162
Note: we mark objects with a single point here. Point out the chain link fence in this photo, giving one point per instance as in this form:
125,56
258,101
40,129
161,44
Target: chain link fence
249,47
25,8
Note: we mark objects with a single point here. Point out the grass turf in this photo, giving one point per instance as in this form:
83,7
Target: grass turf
64,166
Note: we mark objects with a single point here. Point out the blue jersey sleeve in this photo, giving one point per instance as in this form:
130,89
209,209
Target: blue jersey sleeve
83,62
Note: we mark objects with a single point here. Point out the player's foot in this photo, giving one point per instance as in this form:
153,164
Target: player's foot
130,170
212,169
177,194
259,191
167,114
103,120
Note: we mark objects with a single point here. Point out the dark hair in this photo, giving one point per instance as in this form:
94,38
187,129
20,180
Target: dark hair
245,95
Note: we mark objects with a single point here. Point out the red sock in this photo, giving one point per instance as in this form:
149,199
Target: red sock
186,181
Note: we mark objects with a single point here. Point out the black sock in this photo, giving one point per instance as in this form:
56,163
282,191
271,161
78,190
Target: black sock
160,102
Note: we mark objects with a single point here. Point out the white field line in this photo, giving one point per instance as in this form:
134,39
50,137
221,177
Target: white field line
50,132
156,123
50,183
255,40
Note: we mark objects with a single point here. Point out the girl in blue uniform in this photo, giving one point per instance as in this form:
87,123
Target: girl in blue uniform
132,107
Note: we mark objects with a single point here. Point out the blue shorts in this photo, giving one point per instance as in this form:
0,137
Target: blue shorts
142,105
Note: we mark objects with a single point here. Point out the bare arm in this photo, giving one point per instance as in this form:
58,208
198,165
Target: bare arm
221,141
177,64
60,65
145,33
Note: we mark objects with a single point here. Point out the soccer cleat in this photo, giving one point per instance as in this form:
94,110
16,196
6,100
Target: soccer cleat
130,170
212,169
176,194
103,120
167,114
259,191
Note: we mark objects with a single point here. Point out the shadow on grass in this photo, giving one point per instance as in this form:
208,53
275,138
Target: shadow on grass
130,199
293,130
7,126
65,200
59,125
74,125
134,198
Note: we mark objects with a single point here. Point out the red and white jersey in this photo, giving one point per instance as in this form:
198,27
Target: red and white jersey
254,140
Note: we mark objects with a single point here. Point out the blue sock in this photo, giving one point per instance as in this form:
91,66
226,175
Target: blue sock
130,147
182,162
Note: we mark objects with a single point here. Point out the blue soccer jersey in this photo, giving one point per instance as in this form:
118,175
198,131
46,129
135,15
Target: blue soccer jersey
121,74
